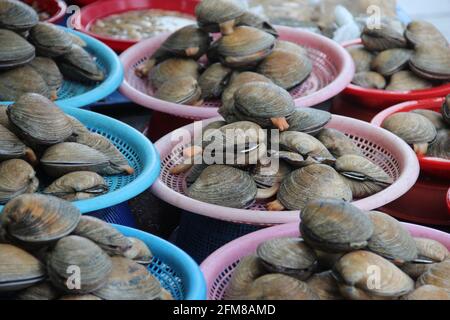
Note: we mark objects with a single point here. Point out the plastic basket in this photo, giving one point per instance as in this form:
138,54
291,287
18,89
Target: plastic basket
120,214
176,271
84,19
436,167
379,145
333,70
448,201
77,95
55,8
139,151
382,99
219,267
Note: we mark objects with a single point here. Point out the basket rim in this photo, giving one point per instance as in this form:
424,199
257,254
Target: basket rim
408,177
193,279
150,159
215,264
108,86
434,104
62,7
340,82
437,91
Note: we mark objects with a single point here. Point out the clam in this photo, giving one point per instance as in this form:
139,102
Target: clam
245,47
4,121
214,80
80,297
382,38
438,275
129,281
79,65
16,177
224,186
309,183
74,253
362,59
338,143
12,148
49,71
254,20
18,269
391,61
50,40
194,172
246,272
308,120
327,260
422,33
265,104
15,51
279,287
294,159
77,40
281,45
366,276
407,81
39,121
431,62
414,129
325,286
138,252
173,68
335,226
289,256
76,186
187,42
364,177
369,80
435,117
428,292
19,81
78,127
68,157
446,110
219,15
17,16
441,147
181,90
117,162
391,240
41,291
271,174
39,219
102,234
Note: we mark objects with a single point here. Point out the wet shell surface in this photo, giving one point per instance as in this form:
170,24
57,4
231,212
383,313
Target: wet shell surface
11,147
49,71
362,59
80,66
325,286
18,51
338,143
391,61
211,13
254,20
138,252
383,38
308,120
438,275
267,176
369,80
19,81
50,40
441,147
181,90
213,81
407,81
16,177
435,117
17,16
189,41
281,45
173,68
423,33
431,62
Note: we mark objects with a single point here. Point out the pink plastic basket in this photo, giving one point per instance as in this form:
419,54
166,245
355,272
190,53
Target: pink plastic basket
333,71
379,145
218,267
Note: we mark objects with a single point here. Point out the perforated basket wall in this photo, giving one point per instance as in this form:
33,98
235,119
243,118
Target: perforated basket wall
332,72
380,146
219,267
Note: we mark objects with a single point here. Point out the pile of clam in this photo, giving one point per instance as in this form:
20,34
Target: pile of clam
402,60
37,56
49,251
237,162
427,131
37,135
247,43
345,253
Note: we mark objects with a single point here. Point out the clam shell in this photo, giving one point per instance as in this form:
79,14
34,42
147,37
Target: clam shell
435,117
185,38
18,51
10,146
94,264
267,176
438,275
428,292
335,226
286,69
254,20
78,127
17,16
16,177
362,58
173,68
281,45
76,186
39,121
39,292
49,71
369,80
224,186
431,62
312,182
20,81
338,143
50,40
391,61
4,121
354,271
325,286
83,297
139,252
441,147
210,13
181,90
446,110
423,33
213,81
407,81
195,172
383,38
309,121
79,65
413,128
39,219
289,256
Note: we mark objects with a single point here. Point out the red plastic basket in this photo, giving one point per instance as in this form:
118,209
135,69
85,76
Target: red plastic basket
83,20
219,267
379,145
381,99
439,168
55,8
332,72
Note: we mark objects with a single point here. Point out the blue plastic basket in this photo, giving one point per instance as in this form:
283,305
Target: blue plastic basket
76,95
120,214
139,151
176,271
